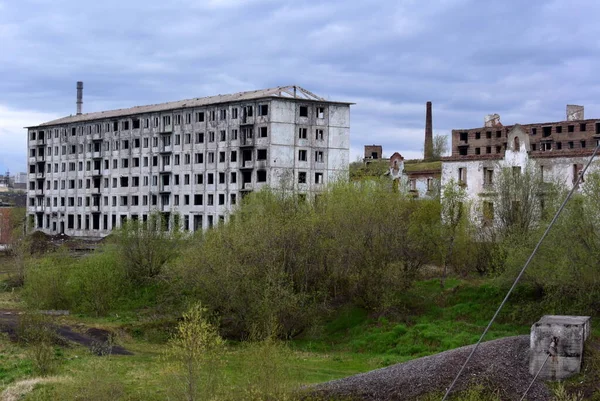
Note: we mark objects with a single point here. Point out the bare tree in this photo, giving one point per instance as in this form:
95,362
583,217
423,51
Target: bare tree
440,146
519,195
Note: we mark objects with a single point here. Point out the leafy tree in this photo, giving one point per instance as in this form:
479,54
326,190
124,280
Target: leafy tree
197,351
440,146
454,222
360,170
19,246
146,247
518,195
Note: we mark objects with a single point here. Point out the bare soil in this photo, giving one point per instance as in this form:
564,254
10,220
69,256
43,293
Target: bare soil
97,340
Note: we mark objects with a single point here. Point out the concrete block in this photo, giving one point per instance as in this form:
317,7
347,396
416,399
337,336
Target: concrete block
562,337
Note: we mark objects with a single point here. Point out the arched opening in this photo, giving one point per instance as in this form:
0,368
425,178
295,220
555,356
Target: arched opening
516,144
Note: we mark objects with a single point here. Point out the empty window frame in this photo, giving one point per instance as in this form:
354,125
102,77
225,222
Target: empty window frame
462,176
302,177
320,112
302,155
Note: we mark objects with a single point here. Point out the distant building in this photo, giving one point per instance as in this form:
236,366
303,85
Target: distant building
420,178
190,160
557,150
20,178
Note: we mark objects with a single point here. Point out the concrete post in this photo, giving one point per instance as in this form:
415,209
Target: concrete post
562,337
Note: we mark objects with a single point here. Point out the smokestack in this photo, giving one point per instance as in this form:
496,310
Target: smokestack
428,134
79,96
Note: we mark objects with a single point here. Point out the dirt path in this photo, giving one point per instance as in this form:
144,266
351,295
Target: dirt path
96,340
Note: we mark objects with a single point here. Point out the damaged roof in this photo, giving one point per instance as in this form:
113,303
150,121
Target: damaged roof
286,92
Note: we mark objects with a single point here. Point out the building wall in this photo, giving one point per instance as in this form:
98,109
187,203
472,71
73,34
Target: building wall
554,168
564,136
73,178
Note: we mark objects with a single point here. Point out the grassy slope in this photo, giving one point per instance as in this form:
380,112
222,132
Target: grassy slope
434,320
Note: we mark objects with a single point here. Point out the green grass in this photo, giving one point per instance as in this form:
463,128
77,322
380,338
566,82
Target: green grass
431,320
412,166
435,320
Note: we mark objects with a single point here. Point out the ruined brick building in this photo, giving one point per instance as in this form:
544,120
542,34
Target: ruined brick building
557,150
191,160
420,178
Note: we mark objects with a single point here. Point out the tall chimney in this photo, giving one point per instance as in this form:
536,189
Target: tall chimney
428,134
79,96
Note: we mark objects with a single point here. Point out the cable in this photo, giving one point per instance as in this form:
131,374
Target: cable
558,212
536,376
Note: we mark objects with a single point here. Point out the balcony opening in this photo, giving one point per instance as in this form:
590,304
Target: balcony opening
546,131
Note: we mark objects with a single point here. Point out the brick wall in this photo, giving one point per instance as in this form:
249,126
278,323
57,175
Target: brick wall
563,138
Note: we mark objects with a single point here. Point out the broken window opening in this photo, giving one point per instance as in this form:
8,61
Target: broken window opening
462,176
302,155
546,131
320,112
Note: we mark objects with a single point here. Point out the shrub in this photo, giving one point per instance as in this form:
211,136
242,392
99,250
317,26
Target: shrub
36,332
284,260
46,282
97,282
196,352
145,248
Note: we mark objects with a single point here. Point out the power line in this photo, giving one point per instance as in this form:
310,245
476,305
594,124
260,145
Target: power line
558,212
551,351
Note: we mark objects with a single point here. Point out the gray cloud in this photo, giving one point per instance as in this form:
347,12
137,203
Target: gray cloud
524,60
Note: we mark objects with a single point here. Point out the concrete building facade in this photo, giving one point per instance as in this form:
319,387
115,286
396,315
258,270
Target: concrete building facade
192,160
557,151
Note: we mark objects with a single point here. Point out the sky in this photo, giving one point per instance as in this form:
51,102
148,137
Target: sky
525,60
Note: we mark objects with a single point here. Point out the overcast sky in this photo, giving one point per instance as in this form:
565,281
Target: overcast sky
522,59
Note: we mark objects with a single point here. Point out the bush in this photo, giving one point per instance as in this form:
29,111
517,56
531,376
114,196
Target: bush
196,352
145,248
36,332
46,282
266,372
96,282
283,260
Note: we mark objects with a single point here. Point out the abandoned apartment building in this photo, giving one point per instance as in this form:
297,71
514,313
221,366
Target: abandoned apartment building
191,160
419,178
556,150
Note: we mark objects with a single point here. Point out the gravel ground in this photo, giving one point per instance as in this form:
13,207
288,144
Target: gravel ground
500,364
